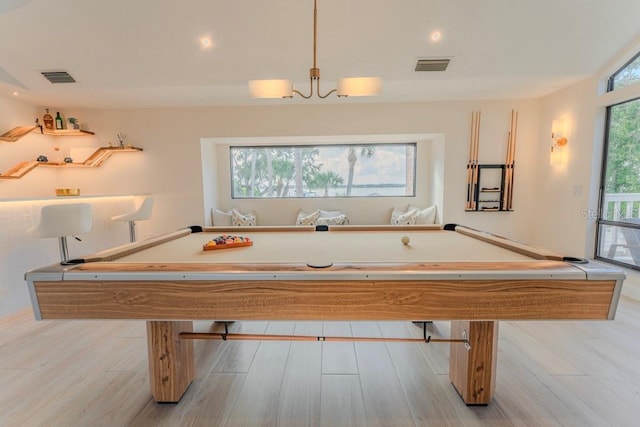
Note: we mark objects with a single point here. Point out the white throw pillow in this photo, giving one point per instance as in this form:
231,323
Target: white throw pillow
403,218
240,219
221,217
306,218
341,219
330,214
424,216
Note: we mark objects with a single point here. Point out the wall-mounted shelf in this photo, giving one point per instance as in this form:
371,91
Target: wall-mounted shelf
103,153
18,132
93,161
68,132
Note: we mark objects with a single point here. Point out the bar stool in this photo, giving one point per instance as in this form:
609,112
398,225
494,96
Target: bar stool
142,213
62,220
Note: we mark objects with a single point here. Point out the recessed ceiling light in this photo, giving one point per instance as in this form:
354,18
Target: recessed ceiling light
436,36
205,42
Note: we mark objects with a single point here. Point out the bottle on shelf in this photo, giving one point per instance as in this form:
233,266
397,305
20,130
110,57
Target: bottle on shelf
48,120
59,123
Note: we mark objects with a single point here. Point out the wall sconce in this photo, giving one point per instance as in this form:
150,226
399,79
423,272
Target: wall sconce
559,141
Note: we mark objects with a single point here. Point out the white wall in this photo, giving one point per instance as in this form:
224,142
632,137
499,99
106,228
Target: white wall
173,150
566,192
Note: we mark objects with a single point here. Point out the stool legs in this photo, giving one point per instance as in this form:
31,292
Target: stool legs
64,251
132,231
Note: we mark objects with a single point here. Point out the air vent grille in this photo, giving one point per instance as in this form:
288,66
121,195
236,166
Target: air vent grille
432,64
58,77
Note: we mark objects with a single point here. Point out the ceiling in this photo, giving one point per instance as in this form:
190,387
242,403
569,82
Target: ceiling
146,53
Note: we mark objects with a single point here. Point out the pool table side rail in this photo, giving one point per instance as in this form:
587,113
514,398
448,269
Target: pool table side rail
131,248
354,270
329,228
503,242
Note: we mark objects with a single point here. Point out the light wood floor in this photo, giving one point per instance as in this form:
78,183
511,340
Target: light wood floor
81,373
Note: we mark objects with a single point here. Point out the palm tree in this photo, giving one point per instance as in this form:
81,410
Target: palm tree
325,180
366,151
333,180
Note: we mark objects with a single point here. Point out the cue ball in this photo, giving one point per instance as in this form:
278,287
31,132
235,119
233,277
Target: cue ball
405,240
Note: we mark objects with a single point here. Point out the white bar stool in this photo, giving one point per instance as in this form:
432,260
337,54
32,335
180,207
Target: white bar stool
62,220
142,213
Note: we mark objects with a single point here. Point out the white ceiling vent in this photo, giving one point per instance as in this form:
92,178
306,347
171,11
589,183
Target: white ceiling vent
439,64
58,77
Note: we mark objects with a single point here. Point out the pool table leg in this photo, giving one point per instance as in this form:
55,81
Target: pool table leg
473,372
171,359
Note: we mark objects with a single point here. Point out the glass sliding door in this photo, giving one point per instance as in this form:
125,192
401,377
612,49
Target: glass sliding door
618,233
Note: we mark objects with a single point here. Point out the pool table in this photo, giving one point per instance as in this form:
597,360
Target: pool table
335,273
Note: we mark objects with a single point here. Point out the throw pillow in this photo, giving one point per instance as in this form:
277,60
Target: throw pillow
221,217
329,214
240,219
341,219
403,218
306,218
424,216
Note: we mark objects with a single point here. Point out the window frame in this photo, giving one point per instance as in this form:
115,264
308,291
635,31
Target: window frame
612,77
600,221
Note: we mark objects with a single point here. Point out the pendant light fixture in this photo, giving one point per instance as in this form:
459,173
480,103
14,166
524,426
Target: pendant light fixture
353,86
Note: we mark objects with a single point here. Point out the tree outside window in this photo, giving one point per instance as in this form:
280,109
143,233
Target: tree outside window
348,170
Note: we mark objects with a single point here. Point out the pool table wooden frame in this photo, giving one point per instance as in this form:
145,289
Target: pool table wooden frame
473,295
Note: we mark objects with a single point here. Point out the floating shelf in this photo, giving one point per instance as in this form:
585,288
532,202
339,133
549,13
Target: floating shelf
93,161
68,132
103,153
16,133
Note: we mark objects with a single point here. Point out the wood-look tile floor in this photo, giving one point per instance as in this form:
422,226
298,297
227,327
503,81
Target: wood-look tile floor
94,373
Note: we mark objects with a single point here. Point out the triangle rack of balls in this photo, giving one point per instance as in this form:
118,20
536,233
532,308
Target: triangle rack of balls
226,241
